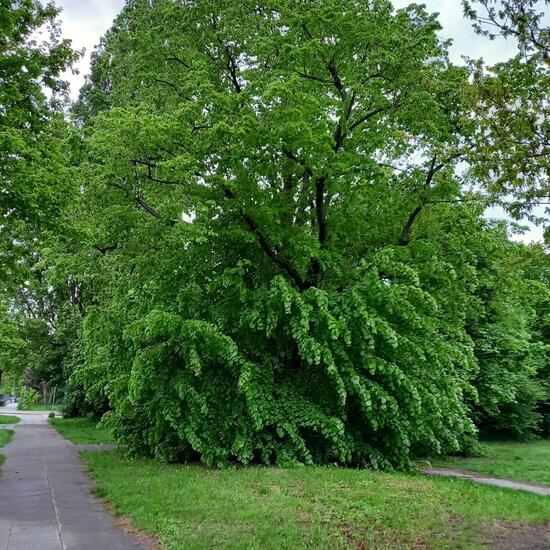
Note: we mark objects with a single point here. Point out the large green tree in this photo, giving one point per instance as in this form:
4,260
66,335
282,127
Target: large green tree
263,171
274,250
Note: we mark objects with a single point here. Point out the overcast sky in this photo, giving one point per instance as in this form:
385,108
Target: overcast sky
84,22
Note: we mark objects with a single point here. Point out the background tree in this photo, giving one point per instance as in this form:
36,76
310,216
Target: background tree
511,103
32,180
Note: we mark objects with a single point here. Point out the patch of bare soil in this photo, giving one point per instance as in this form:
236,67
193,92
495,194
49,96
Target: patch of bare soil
124,523
149,542
358,539
504,535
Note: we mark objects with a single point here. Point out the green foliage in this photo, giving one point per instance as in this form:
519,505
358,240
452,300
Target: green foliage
34,181
77,403
511,351
510,103
31,128
287,387
266,249
285,265
11,343
27,398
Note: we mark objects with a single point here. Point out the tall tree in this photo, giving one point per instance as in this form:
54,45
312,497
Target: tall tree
307,148
274,250
32,184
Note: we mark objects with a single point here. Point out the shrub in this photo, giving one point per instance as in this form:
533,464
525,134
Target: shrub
27,398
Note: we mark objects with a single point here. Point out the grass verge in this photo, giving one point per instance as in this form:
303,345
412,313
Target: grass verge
82,431
194,507
45,408
5,438
9,419
519,461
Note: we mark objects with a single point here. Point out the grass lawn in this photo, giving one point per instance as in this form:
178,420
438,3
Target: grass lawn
9,419
45,408
5,438
521,461
194,507
82,431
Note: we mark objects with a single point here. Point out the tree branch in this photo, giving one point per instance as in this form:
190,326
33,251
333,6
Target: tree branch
150,166
147,207
173,86
366,117
141,202
404,237
405,233
270,252
313,77
106,249
178,60
336,80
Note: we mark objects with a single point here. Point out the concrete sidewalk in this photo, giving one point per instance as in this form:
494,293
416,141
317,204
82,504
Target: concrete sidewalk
45,498
543,490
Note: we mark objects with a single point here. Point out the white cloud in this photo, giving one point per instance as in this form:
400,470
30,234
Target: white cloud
85,22
465,41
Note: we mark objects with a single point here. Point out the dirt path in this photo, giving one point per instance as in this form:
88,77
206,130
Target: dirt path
487,480
45,498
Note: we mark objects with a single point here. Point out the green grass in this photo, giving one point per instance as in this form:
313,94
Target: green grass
520,461
5,438
45,408
9,419
194,507
82,431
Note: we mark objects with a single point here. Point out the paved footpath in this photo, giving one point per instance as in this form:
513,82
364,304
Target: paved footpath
543,490
45,498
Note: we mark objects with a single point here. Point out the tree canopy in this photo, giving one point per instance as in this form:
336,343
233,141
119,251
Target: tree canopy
32,185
